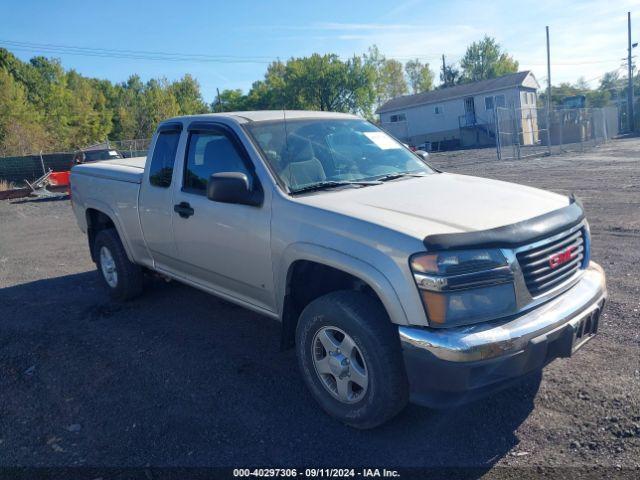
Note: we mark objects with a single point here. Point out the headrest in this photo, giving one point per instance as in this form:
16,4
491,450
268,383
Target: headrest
219,149
298,149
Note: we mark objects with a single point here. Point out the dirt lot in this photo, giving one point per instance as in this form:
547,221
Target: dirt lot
179,378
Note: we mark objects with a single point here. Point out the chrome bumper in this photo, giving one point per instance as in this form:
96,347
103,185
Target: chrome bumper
496,339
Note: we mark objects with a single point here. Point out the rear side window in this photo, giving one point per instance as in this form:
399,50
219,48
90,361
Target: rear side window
164,156
209,153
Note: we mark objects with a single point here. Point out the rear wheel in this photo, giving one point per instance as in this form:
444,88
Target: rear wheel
122,278
349,355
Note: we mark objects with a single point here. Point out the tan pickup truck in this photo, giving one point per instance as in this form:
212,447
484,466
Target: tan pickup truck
393,280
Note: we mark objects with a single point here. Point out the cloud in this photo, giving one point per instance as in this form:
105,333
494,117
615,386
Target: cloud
362,26
588,37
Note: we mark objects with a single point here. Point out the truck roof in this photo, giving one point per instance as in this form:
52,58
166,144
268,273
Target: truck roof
267,115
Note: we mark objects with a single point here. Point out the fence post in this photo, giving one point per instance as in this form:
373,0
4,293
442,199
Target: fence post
561,128
548,115
44,172
497,120
516,134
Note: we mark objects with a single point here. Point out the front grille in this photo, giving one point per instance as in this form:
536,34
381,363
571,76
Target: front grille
549,264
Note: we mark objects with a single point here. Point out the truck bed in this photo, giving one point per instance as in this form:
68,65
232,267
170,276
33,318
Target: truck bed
122,169
112,187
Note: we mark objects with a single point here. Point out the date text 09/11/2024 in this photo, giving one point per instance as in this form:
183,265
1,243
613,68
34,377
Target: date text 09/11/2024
316,472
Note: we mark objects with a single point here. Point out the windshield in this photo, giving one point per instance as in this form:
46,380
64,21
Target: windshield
309,152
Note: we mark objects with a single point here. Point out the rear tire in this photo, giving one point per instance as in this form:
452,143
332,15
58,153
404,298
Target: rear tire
350,357
122,278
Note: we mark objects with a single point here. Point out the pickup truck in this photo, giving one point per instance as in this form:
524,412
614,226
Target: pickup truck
394,281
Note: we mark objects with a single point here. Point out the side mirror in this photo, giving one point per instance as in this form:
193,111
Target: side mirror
422,154
233,187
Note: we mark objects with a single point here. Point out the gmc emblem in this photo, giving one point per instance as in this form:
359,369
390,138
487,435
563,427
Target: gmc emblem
559,258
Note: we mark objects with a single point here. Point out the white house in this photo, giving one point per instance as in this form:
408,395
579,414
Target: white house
464,114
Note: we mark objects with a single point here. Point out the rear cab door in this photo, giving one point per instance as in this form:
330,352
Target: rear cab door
155,202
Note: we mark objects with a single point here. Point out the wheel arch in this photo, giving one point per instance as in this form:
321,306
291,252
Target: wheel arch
326,270
100,217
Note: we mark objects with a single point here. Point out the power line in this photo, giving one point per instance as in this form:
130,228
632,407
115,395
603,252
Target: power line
124,54
50,46
60,49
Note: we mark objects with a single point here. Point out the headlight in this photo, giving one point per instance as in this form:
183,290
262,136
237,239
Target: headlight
464,287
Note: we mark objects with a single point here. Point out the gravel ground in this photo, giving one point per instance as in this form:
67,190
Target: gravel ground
180,378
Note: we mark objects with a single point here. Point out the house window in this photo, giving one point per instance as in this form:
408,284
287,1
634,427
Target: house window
438,109
488,103
401,117
499,101
532,98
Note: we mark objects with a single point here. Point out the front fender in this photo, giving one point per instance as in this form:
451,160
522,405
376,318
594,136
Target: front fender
340,261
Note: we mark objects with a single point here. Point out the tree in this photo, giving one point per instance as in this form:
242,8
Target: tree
142,106
388,77
318,82
229,101
45,106
21,129
484,60
613,84
449,76
420,76
324,82
187,93
392,80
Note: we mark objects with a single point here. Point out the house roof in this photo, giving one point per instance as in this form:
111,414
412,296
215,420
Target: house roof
467,89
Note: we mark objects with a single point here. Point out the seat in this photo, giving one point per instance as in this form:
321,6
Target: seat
302,168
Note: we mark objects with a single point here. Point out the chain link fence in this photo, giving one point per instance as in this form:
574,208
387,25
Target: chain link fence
17,169
131,148
526,132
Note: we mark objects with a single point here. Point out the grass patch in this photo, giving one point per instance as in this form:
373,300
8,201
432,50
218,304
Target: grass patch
6,185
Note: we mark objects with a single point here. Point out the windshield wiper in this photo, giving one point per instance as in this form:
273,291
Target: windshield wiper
393,176
335,183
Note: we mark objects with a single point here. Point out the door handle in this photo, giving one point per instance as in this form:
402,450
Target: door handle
183,209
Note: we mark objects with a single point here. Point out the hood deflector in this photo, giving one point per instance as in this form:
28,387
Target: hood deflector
513,235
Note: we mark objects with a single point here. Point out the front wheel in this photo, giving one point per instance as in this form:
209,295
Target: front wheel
349,355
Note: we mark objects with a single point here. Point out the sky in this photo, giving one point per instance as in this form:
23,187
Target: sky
228,44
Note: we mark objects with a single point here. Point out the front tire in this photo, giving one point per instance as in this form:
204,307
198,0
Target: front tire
350,358
122,278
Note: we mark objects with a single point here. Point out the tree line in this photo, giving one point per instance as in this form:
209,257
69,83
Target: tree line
45,107
361,83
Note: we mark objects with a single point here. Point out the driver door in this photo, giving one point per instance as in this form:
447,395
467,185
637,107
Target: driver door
222,246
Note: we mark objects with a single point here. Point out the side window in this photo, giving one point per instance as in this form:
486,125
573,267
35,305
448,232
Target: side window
164,155
209,153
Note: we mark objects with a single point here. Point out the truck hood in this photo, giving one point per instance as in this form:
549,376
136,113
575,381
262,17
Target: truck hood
439,203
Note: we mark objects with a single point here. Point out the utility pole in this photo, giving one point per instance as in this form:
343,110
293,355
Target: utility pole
219,102
548,94
444,71
630,67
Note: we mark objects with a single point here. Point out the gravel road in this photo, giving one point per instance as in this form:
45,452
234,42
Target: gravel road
180,378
